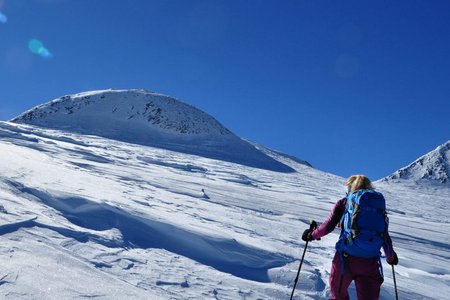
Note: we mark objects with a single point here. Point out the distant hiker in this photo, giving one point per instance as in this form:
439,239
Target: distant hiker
364,231
204,196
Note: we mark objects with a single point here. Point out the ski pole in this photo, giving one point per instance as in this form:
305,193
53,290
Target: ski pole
395,282
312,226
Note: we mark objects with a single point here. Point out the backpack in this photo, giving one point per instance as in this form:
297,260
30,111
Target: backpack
363,224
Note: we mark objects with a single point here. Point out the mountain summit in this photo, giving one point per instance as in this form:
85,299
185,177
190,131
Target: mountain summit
434,166
146,118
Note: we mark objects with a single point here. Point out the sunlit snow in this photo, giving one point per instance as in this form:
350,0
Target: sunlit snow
90,217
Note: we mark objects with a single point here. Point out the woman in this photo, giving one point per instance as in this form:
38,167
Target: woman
365,271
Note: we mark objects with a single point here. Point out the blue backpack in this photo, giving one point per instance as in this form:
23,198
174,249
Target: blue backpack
363,224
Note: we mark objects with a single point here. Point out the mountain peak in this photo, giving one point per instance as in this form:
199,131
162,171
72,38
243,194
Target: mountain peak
433,166
147,118
140,108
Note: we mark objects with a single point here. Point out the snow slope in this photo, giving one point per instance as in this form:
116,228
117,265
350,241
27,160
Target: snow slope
431,167
135,195
89,217
147,118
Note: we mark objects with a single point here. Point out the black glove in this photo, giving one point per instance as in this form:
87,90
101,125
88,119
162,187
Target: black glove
306,236
393,259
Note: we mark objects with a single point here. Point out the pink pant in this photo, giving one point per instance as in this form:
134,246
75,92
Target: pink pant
365,272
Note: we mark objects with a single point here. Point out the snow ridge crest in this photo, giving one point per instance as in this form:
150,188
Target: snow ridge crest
434,166
131,106
150,119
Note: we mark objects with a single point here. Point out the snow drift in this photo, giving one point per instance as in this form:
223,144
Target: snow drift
146,118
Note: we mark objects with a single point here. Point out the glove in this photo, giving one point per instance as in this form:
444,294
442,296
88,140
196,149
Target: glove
392,259
306,236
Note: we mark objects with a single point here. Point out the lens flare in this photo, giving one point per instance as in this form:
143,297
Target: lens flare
35,46
38,48
43,52
3,18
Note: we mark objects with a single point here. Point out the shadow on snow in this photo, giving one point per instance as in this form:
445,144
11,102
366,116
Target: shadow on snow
226,255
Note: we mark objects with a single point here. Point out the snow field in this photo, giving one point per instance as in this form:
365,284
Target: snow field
123,221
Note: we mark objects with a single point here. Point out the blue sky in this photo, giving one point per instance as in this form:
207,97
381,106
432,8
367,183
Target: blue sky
350,86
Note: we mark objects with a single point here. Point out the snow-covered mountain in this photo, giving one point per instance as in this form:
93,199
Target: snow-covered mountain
146,118
433,166
84,216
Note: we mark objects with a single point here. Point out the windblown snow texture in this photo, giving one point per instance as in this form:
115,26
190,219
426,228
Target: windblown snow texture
146,118
82,216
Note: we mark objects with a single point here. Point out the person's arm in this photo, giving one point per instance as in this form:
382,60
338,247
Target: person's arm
388,248
331,222
387,245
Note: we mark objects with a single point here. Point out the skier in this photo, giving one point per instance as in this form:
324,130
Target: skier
363,268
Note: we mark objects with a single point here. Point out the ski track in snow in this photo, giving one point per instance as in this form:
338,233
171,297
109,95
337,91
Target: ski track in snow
88,217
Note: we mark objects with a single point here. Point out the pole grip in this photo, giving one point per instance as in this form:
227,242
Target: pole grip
312,225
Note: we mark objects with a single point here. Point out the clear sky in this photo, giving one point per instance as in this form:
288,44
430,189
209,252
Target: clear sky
353,86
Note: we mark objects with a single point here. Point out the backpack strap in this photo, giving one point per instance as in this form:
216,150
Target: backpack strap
342,257
341,221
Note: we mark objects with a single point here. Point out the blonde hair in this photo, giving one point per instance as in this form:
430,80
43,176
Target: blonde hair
359,182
